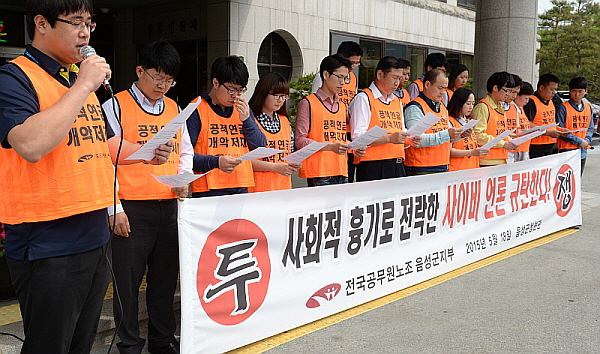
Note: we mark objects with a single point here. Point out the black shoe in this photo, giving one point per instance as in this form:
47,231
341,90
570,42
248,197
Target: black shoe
171,348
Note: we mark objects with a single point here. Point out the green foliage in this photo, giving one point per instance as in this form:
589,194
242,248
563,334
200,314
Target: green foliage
299,90
570,43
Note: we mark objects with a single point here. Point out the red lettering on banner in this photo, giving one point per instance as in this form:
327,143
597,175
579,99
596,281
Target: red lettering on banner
531,187
495,195
463,201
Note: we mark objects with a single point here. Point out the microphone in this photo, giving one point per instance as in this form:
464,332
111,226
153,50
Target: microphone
88,50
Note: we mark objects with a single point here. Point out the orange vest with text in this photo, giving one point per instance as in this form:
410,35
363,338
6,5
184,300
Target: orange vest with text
575,120
464,143
438,155
269,180
389,117
518,120
325,127
221,136
136,181
74,178
496,125
349,90
545,115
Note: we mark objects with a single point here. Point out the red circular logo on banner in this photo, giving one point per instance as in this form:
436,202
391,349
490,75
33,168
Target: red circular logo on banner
233,272
326,293
564,190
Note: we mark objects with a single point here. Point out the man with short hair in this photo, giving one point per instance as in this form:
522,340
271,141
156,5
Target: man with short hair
491,118
147,236
433,154
378,105
573,115
222,129
436,61
57,178
541,111
321,117
401,91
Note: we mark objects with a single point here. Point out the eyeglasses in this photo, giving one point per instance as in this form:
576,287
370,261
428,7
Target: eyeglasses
280,97
157,81
508,92
342,78
233,91
91,26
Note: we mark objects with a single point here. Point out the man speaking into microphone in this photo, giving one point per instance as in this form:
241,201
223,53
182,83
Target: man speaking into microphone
56,178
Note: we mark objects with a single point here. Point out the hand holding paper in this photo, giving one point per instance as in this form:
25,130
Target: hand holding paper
422,125
495,141
305,152
367,138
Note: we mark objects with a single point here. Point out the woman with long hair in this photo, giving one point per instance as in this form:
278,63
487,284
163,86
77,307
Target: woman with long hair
464,153
459,76
268,105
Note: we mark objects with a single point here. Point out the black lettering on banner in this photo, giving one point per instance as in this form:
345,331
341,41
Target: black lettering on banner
313,238
236,269
422,212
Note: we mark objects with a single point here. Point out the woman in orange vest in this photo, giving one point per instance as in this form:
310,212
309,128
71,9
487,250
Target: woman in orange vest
458,78
268,105
464,153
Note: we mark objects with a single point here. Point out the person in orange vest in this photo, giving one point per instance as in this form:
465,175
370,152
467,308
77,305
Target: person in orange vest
322,117
436,61
573,115
57,178
401,92
147,224
353,52
222,129
268,105
378,105
433,154
459,76
491,119
516,119
465,152
541,111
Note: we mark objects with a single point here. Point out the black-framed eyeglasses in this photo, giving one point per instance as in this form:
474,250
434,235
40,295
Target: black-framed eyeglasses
280,97
508,92
91,26
168,82
233,91
342,78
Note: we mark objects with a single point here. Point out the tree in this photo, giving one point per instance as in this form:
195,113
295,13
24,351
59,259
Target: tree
570,43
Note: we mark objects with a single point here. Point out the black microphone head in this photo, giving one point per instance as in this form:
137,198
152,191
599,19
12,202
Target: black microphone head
87,50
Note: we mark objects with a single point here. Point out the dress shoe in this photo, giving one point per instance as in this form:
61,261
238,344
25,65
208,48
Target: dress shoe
171,348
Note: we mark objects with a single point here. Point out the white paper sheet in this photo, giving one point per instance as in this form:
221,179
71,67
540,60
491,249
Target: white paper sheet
305,152
146,152
573,131
470,124
541,127
495,141
421,126
180,180
368,137
258,153
521,139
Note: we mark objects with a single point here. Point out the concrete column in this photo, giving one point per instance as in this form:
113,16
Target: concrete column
505,40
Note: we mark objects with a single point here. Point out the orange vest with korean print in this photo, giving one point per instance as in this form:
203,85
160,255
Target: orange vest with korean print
575,120
405,99
545,115
389,117
74,178
136,181
268,180
464,143
349,90
222,136
518,120
325,127
438,155
496,125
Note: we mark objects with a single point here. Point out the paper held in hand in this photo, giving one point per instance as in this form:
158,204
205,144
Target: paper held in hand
367,138
146,152
422,125
304,153
180,180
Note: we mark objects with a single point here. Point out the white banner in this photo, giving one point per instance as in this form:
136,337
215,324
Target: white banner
259,264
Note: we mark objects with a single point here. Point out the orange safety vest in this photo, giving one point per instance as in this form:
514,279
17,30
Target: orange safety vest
575,120
405,99
496,125
328,127
545,115
518,120
389,117
438,155
74,178
449,92
136,181
221,136
349,90
464,143
268,180
419,83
